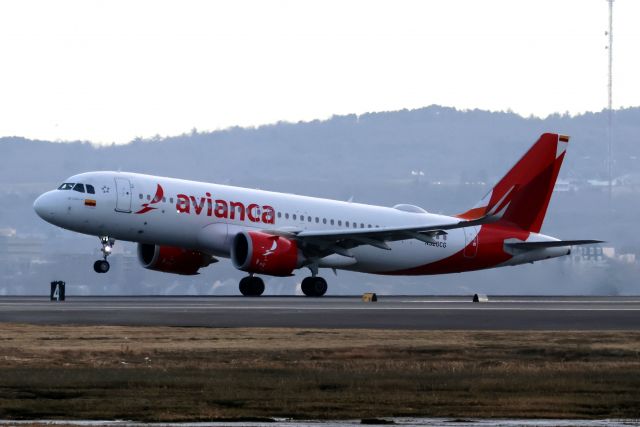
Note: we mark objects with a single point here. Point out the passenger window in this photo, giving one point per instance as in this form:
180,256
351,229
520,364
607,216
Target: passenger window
79,188
324,220
66,186
361,225
317,220
346,223
294,217
339,222
286,216
140,196
369,226
279,214
171,200
331,222
148,197
90,189
164,200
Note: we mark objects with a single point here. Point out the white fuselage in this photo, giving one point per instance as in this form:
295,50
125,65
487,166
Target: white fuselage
188,214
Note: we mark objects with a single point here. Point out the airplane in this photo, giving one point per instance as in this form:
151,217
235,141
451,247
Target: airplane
182,226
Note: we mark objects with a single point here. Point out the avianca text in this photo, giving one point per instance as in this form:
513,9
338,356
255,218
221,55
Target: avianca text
224,209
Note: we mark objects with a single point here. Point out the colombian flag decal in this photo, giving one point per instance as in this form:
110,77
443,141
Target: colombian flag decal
89,202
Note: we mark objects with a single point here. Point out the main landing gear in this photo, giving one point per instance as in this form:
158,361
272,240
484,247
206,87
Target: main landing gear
102,265
314,286
251,286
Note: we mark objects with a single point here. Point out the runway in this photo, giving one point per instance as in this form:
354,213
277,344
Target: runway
419,422
397,312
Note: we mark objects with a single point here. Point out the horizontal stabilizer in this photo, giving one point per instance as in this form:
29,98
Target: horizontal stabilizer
551,244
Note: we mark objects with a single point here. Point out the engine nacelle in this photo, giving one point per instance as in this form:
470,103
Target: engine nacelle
170,259
257,252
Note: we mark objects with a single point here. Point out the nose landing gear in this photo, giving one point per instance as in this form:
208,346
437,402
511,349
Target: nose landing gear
102,265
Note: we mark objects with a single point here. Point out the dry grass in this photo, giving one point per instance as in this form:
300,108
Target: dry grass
157,373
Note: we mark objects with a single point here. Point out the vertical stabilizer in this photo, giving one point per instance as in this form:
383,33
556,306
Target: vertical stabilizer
522,196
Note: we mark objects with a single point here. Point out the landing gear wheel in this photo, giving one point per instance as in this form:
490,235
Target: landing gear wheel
314,286
101,266
251,286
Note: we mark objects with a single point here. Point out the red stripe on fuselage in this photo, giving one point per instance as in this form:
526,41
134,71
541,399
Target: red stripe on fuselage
490,253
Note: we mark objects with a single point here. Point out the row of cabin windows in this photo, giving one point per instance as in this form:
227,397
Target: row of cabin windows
80,188
325,221
164,199
294,216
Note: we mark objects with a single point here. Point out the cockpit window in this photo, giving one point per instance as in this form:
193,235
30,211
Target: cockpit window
79,188
66,186
90,189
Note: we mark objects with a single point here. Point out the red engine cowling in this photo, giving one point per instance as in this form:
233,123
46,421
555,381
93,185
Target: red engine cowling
258,252
170,259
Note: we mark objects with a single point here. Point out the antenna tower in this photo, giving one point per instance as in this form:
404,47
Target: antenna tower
610,106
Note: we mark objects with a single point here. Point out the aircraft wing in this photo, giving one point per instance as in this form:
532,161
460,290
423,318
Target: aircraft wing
325,242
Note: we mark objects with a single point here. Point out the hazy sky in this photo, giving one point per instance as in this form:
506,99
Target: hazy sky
109,71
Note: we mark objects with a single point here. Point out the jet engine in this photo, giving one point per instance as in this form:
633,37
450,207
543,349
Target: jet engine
170,259
257,252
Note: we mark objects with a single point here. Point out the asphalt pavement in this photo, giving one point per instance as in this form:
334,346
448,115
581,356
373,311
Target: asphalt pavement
389,312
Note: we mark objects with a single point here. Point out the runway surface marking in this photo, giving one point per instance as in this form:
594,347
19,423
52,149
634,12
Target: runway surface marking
298,308
427,422
518,301
401,312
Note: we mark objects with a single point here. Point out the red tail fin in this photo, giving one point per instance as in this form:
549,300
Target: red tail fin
522,196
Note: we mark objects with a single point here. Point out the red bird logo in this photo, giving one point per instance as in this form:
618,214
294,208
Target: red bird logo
157,198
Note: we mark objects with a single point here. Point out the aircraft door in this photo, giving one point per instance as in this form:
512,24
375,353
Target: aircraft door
123,195
470,242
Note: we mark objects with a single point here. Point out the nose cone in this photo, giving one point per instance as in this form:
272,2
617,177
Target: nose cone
45,206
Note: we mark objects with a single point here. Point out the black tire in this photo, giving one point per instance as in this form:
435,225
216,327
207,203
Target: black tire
245,286
258,286
320,286
307,287
101,266
251,286
314,286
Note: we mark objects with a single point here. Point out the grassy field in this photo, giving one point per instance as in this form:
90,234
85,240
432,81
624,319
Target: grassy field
171,374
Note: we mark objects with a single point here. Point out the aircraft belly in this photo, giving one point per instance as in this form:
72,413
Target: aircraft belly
162,230
405,254
216,238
